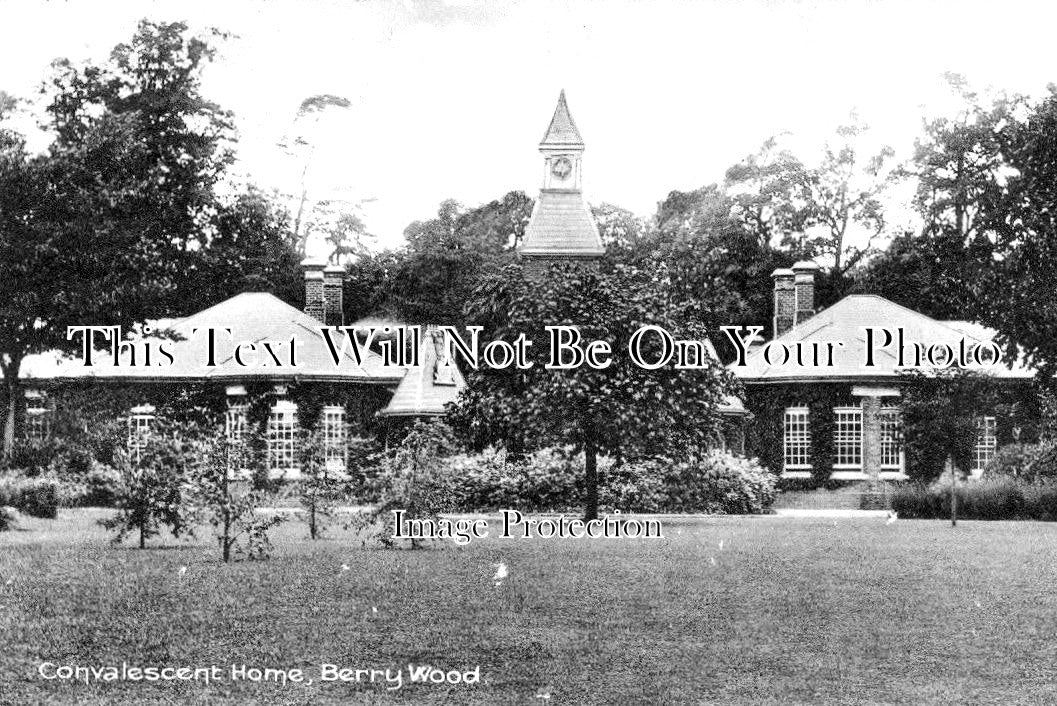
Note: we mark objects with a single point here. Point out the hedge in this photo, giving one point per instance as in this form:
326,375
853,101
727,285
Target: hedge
989,499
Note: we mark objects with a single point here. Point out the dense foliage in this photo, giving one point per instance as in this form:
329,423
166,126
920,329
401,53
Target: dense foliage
622,409
990,499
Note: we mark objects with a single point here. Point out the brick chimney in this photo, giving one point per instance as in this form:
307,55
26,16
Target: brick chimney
804,284
784,301
315,305
333,279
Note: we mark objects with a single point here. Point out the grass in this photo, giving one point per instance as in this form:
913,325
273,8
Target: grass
791,611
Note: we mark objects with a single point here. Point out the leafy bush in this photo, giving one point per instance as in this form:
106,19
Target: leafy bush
1027,461
546,480
990,499
1040,501
550,480
7,519
99,487
636,487
155,484
38,497
720,482
1010,461
410,477
230,506
31,458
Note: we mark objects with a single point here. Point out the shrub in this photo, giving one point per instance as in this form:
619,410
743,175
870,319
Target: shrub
719,482
7,519
636,487
154,484
231,506
1040,502
1011,461
1027,461
550,480
38,497
31,458
994,499
99,487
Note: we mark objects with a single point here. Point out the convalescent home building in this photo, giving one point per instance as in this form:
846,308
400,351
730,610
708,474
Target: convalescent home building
830,390
268,367
268,364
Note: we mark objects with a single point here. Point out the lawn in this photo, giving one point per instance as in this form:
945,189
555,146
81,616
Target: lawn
786,611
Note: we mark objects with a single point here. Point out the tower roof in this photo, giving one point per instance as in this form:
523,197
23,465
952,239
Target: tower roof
562,131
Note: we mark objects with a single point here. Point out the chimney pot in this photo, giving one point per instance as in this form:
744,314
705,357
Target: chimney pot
804,283
333,306
314,289
784,301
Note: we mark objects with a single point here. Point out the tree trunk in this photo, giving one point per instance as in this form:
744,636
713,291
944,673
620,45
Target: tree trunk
591,476
142,538
954,493
14,395
226,541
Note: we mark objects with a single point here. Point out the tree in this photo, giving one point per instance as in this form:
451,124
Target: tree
230,505
408,478
248,249
623,409
184,142
929,274
72,255
958,164
942,270
817,212
940,412
712,257
446,257
155,483
106,227
618,227
336,217
318,487
1019,298
767,189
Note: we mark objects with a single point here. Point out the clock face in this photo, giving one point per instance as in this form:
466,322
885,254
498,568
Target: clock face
562,167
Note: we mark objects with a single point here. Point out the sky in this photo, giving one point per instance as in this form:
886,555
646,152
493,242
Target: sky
450,98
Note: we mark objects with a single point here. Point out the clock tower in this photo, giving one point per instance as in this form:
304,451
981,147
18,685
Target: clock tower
561,227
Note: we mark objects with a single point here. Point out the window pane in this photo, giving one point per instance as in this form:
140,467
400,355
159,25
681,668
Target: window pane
891,439
797,438
334,437
38,417
282,445
986,444
847,437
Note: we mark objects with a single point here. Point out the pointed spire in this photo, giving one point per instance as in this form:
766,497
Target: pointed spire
562,131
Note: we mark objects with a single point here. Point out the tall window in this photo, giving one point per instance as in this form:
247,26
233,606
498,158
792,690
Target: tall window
282,440
334,437
847,437
986,444
891,435
235,420
140,420
38,416
797,439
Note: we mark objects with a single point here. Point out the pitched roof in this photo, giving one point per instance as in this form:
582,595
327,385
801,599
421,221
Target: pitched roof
561,225
252,316
562,131
427,388
844,322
